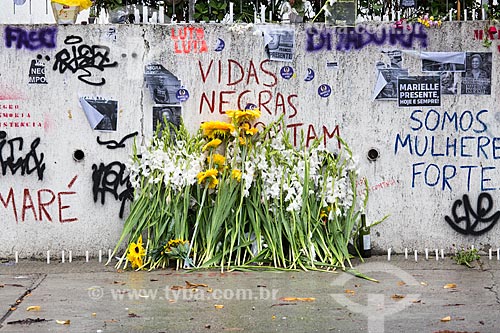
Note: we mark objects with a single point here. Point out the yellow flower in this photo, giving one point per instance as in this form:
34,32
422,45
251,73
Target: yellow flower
239,116
214,143
214,129
211,174
174,243
243,141
135,253
236,174
217,160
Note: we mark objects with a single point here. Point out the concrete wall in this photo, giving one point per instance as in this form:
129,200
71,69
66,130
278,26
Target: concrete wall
61,180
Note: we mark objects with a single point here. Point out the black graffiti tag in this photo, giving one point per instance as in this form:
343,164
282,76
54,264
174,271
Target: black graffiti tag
83,58
108,178
27,164
481,223
112,144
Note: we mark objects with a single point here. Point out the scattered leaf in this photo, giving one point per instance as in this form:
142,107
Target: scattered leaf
33,308
171,300
13,308
281,304
14,285
450,286
401,283
176,287
93,314
133,315
63,322
349,291
397,296
218,306
447,318
455,304
297,299
417,301
423,283
195,285
273,317
27,321
210,290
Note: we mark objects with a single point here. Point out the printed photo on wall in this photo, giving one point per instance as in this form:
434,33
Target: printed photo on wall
102,114
386,87
280,43
449,83
476,80
342,12
395,58
166,116
162,84
443,61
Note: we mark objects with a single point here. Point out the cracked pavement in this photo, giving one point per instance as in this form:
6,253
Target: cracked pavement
409,297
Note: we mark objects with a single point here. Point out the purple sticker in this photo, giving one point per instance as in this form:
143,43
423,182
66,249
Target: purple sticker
324,90
310,75
250,106
220,45
182,95
286,72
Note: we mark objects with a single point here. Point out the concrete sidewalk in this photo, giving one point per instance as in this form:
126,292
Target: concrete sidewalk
409,297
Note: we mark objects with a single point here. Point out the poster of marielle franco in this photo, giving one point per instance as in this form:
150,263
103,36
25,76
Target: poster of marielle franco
419,91
476,80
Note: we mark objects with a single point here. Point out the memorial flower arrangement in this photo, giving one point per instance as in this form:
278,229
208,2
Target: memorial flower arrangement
233,196
83,4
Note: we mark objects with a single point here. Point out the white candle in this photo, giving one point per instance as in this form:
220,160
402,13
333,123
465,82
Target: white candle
437,254
255,17
62,256
262,14
86,256
389,254
161,14
48,257
416,255
70,259
17,257
399,15
109,255
145,14
231,5
490,254
442,254
270,16
498,254
473,15
426,254
483,14
465,14
406,253
100,255
451,14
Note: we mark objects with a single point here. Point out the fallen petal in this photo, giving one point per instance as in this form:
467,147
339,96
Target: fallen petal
33,308
450,286
447,318
63,322
218,306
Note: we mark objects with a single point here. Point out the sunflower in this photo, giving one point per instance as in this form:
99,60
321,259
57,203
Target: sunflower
239,116
236,174
213,129
211,174
214,143
245,128
217,160
135,253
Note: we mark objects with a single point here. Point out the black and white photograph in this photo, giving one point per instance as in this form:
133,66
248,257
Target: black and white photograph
476,80
443,61
342,12
386,87
449,83
101,113
162,84
395,58
165,116
280,43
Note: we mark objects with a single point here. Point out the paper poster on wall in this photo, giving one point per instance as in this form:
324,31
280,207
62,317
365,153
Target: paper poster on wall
342,12
387,80
166,115
419,91
476,80
395,58
449,83
101,114
163,85
279,43
443,61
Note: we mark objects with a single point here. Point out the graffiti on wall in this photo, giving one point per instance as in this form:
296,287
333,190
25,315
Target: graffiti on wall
467,142
113,177
37,70
487,36
83,58
14,159
42,204
189,40
356,38
235,76
468,221
31,39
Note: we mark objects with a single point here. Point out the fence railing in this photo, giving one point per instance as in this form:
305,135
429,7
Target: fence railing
40,12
